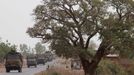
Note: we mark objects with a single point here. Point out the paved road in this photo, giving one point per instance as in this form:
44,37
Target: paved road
29,71
26,71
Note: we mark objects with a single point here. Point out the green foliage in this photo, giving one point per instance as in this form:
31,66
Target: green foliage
5,47
69,26
55,73
39,48
24,49
65,24
127,54
107,67
50,73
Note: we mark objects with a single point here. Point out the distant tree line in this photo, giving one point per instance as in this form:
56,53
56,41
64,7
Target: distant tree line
26,50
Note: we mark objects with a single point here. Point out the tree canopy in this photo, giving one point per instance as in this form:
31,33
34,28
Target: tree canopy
39,48
69,26
24,49
5,47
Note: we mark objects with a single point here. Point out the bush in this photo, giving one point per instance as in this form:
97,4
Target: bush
107,67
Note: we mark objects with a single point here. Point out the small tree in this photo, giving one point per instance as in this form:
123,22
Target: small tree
69,25
39,48
24,49
5,47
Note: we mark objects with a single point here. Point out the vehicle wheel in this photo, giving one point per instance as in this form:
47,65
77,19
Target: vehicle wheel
35,65
20,70
7,70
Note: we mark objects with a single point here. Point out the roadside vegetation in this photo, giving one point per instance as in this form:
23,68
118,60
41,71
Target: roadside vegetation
105,67
70,25
5,47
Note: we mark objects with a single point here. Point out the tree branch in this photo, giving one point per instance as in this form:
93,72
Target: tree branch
88,39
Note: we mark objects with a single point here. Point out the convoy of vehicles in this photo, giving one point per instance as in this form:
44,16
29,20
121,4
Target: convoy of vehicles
14,60
36,59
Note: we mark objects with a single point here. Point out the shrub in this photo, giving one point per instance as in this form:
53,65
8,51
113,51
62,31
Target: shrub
107,67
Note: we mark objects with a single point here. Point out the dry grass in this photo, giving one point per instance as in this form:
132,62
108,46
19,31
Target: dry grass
1,68
60,68
61,71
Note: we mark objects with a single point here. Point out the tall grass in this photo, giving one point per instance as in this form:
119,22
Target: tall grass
106,67
61,71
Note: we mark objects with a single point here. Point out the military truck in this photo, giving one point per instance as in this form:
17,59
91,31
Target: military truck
48,56
41,59
13,61
31,61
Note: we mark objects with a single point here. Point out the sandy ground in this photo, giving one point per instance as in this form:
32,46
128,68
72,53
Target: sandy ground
63,67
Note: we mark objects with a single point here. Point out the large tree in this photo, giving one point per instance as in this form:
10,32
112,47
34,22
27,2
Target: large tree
69,25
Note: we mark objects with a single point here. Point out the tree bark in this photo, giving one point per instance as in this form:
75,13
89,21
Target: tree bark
90,67
86,65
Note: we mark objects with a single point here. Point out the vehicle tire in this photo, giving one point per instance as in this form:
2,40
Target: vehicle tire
28,66
19,70
7,70
35,66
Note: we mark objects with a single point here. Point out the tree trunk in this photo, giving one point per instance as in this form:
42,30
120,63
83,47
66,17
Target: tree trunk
86,67
90,67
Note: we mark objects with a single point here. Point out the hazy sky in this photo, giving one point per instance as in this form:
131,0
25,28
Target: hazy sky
15,18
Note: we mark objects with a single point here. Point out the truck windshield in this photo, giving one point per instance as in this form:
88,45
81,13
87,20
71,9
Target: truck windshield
13,56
